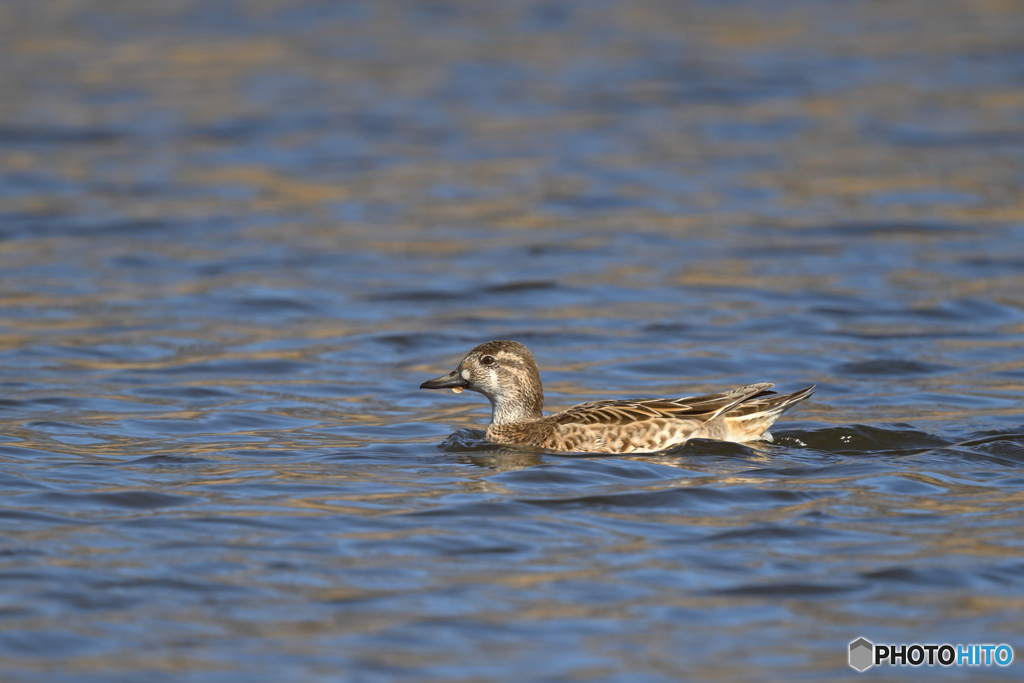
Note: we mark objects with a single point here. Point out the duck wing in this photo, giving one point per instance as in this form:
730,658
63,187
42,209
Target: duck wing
699,408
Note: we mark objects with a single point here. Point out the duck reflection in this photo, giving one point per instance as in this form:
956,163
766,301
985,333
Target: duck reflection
504,459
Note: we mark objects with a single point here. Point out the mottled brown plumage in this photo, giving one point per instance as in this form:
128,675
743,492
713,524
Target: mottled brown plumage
506,373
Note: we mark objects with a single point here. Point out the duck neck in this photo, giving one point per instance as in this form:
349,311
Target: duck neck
524,404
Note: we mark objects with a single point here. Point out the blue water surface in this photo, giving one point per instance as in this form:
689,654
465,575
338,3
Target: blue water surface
235,237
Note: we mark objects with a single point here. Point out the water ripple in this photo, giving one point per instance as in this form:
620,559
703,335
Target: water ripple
236,236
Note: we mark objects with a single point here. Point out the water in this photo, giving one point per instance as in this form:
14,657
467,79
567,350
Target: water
235,237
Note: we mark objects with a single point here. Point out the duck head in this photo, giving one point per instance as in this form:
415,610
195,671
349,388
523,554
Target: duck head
503,371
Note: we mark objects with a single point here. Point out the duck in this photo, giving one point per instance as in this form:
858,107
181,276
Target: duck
507,374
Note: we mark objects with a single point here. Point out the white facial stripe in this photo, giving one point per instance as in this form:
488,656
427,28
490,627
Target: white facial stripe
465,374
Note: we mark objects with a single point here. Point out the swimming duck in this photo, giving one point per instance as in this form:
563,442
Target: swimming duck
506,373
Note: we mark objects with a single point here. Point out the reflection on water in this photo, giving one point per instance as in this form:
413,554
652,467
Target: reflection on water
235,236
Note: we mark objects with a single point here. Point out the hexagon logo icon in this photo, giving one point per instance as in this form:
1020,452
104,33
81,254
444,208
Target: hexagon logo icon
862,653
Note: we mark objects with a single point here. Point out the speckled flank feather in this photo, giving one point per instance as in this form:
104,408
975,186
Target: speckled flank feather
507,374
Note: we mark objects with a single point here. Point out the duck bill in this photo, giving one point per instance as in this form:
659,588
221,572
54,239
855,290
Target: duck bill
453,380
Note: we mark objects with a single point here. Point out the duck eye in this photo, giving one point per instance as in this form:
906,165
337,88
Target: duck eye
487,360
